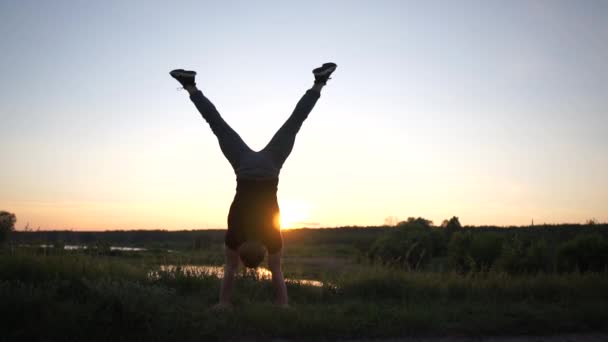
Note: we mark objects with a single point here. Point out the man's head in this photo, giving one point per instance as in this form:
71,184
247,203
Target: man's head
252,253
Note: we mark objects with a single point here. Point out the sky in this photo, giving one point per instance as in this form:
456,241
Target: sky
492,111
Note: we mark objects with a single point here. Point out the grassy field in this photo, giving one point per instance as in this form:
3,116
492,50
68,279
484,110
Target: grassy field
52,294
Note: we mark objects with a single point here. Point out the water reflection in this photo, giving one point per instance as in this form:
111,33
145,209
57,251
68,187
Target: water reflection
112,248
218,271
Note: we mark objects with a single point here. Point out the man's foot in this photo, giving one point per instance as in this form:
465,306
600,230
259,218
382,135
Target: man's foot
184,77
323,72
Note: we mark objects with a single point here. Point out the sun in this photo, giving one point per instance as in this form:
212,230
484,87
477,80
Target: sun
294,213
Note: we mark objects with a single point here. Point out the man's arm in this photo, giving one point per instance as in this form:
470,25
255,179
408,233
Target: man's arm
274,263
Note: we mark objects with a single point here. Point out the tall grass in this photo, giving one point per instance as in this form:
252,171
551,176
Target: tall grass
83,297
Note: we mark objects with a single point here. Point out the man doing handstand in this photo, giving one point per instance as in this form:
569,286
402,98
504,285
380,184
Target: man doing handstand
253,219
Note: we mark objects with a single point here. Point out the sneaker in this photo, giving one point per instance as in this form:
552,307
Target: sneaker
184,77
322,73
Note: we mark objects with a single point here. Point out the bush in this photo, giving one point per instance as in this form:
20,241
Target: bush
459,258
587,252
485,249
519,256
410,245
440,242
7,224
474,252
452,225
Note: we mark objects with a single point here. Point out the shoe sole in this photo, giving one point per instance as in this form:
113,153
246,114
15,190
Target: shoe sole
326,69
182,73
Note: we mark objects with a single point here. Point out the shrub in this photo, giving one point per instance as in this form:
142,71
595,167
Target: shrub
7,224
459,258
440,242
469,251
586,252
452,225
408,245
485,249
521,256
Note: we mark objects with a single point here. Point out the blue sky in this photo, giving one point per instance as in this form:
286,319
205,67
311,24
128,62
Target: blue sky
493,111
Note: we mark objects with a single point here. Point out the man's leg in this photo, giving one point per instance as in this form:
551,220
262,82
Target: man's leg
282,142
231,144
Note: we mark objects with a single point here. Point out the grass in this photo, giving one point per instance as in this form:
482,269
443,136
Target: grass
74,296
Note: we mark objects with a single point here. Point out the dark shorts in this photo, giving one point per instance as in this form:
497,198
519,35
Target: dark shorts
254,215
271,239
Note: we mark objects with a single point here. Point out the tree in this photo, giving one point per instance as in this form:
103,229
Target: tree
591,222
452,225
391,221
7,224
416,221
408,245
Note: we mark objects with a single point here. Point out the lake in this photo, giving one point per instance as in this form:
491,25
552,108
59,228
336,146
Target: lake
218,271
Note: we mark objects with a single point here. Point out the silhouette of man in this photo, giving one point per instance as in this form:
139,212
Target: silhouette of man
253,219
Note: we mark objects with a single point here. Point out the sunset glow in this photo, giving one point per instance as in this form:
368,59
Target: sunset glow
294,214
